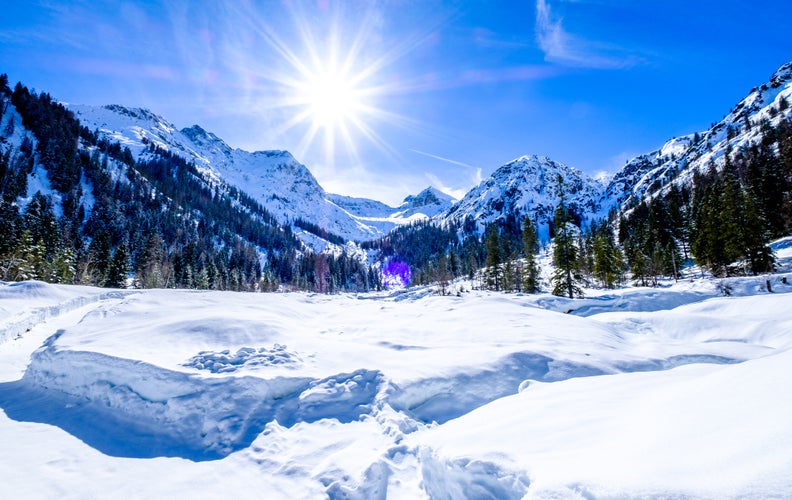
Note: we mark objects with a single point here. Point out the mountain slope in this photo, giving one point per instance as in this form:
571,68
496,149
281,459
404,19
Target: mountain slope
678,159
284,186
527,185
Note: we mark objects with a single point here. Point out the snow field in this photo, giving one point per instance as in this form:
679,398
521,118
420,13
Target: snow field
673,391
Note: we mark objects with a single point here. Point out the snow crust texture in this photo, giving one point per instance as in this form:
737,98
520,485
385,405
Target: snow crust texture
676,391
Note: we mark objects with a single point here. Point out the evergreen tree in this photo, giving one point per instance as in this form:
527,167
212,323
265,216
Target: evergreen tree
565,254
118,268
759,255
608,260
530,247
63,265
150,266
26,261
100,253
493,262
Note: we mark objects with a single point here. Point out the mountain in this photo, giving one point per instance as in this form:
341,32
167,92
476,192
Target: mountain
426,204
121,175
280,183
527,185
676,161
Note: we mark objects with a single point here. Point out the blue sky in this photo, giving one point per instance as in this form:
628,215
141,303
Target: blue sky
437,93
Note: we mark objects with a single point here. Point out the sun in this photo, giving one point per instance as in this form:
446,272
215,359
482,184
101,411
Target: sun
331,87
331,98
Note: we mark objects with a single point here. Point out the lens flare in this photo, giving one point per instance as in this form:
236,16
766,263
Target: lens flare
396,274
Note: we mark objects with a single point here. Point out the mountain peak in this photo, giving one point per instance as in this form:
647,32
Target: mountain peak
199,135
531,159
137,113
527,185
782,75
429,196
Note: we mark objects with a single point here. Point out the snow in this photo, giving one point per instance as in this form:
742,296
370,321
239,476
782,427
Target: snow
676,161
675,391
528,185
280,183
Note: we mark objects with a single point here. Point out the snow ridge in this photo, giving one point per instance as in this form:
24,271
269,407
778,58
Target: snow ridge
677,160
527,185
283,185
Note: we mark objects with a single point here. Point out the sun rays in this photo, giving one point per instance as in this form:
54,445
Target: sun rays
331,86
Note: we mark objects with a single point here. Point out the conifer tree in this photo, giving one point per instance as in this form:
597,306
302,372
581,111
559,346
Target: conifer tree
493,262
63,265
530,240
25,263
608,260
118,268
149,269
759,255
565,254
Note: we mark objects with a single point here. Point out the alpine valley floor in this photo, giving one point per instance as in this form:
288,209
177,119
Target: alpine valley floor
675,391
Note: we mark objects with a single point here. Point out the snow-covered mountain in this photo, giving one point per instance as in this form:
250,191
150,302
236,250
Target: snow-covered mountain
427,203
430,202
283,185
527,185
677,160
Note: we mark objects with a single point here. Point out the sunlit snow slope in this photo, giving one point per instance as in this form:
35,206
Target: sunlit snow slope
283,185
672,391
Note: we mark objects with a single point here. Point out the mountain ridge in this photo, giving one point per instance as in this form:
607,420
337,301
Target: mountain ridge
525,185
283,185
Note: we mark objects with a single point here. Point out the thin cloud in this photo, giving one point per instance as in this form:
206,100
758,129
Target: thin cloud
459,192
562,47
447,160
436,182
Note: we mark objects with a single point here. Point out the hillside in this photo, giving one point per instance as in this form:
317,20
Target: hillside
675,163
275,179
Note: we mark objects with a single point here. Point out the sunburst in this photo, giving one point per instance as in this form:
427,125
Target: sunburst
332,90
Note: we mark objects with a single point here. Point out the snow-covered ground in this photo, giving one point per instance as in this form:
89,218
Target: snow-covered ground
676,391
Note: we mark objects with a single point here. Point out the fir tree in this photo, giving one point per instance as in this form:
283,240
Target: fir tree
118,268
493,262
530,240
608,261
565,254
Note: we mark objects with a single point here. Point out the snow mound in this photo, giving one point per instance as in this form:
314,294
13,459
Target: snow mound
675,391
17,317
225,362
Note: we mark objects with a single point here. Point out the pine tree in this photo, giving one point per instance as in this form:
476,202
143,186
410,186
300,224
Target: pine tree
63,265
118,268
758,253
530,247
730,224
493,262
100,252
26,261
608,261
565,254
150,269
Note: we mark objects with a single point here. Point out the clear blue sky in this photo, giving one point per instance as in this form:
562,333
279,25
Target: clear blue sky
433,92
